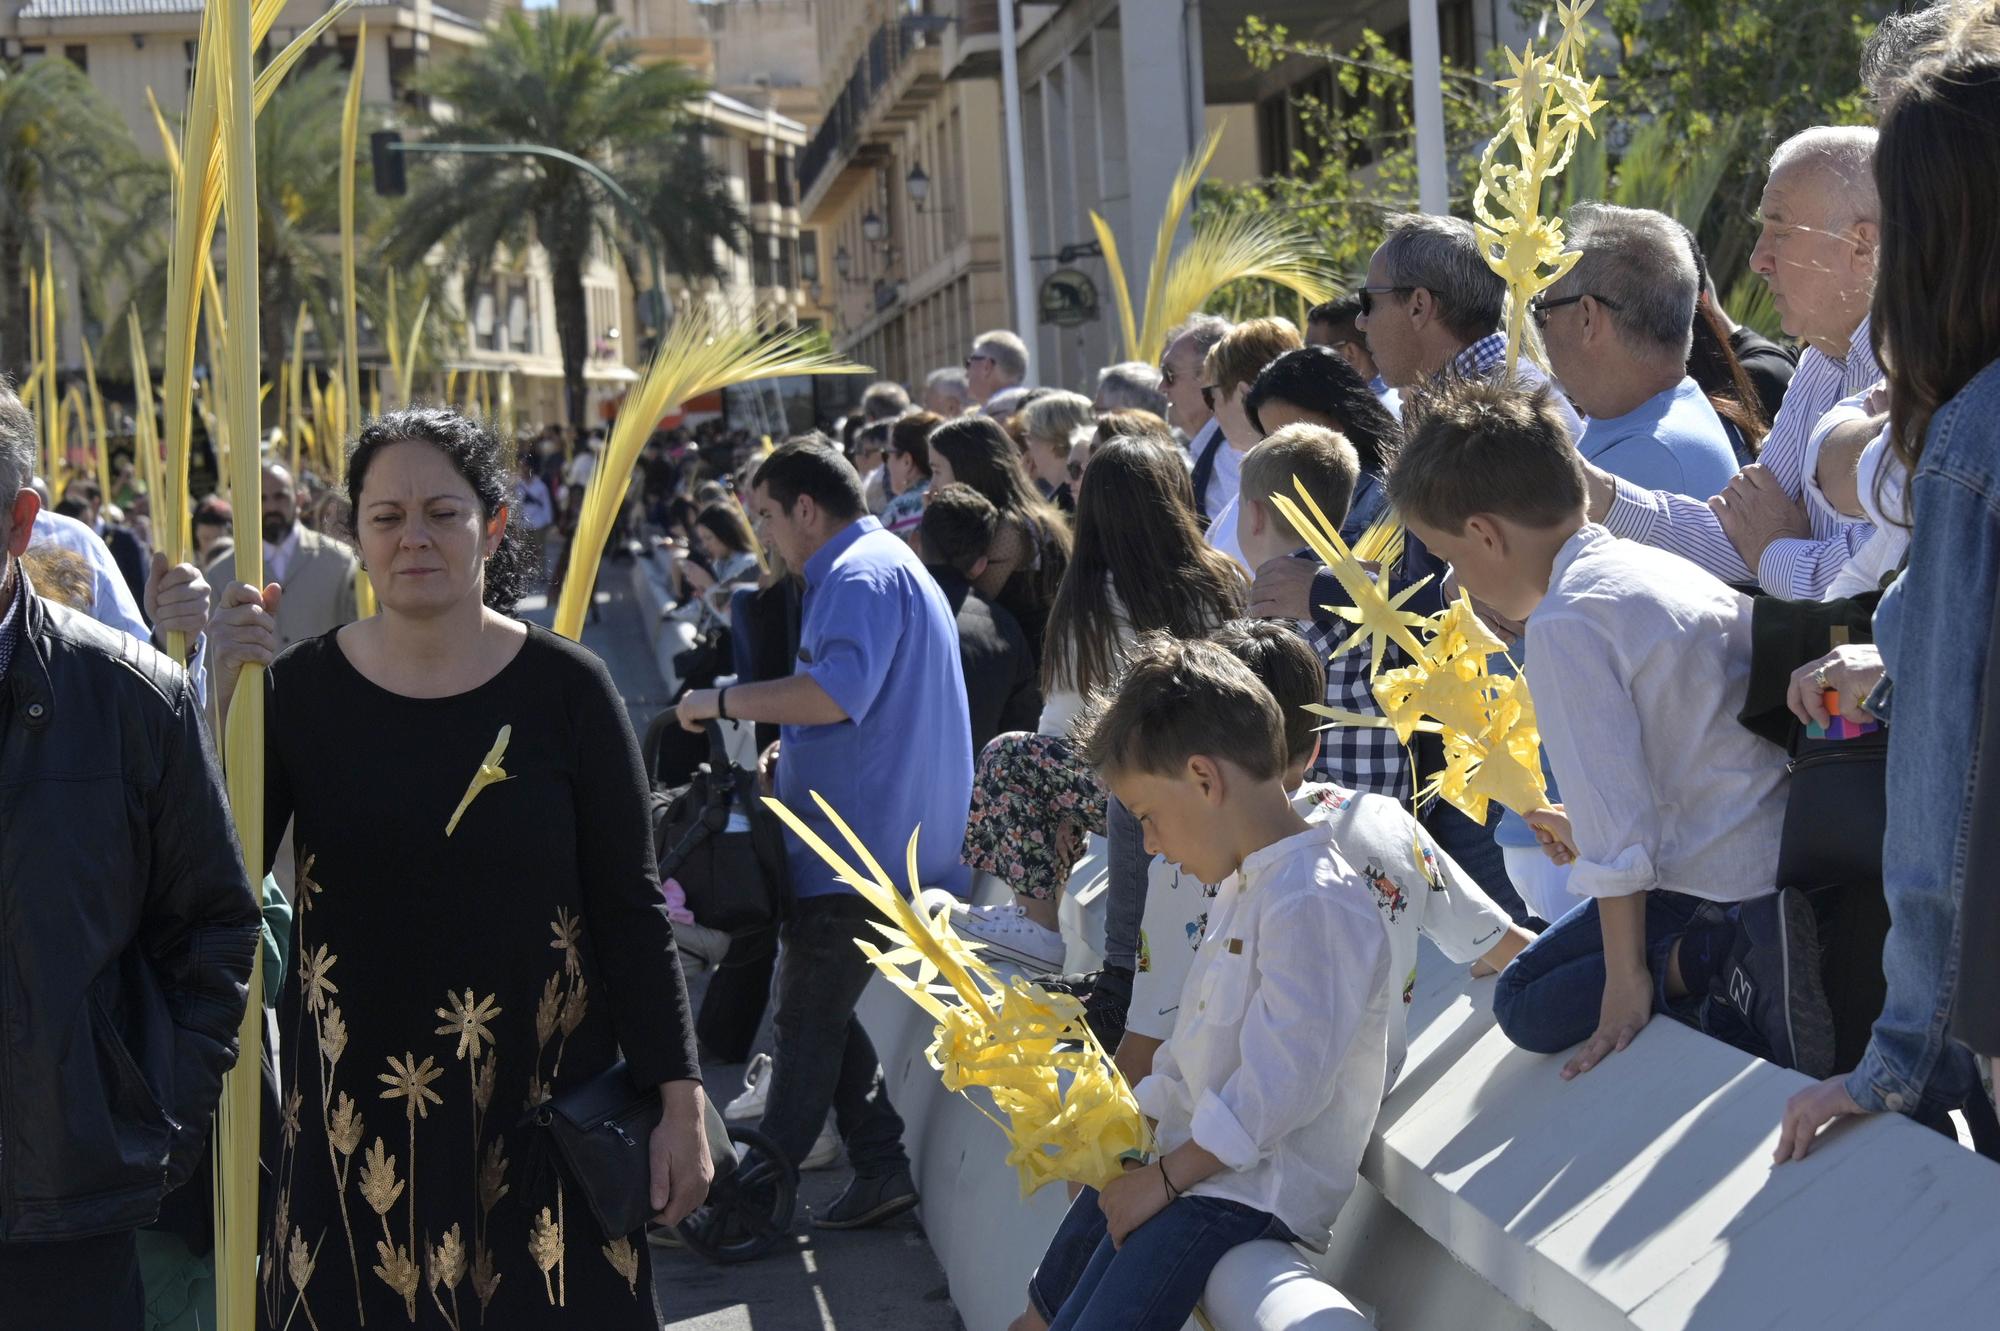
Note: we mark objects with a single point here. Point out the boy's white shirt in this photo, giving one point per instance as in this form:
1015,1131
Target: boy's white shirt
1377,836
1276,1061
1638,662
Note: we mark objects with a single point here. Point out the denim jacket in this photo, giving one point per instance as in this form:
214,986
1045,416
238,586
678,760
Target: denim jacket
1933,626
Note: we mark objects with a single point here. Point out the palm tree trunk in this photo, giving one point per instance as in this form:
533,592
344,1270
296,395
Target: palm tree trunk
13,308
572,331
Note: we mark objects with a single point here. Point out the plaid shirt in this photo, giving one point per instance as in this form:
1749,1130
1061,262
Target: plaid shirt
1355,756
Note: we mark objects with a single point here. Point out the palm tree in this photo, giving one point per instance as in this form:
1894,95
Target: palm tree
62,147
565,82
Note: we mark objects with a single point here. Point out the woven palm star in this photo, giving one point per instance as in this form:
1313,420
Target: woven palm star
410,1082
467,1020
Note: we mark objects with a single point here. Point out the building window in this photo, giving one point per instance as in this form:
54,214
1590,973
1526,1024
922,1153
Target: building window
78,56
808,256
759,174
1274,139
787,263
788,194
762,266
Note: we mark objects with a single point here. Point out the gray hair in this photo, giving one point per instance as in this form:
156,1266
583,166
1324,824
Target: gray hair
950,379
1131,384
1008,351
1205,329
1442,255
884,401
1056,415
1008,401
1847,154
1638,262
17,447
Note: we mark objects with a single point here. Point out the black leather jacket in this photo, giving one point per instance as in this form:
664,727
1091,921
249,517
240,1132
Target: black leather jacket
127,929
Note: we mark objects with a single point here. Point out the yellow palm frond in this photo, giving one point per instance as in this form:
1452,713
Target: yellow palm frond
145,442
350,124
702,352
1228,249
1178,199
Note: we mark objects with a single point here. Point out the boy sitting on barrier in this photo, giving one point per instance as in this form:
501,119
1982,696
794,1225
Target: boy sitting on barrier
1265,1094
1638,662
1416,886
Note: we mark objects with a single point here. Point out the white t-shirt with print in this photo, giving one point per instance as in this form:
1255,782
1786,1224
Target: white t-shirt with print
1375,834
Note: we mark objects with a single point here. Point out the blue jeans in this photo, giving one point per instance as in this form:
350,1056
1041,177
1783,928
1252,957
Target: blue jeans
1552,996
1125,902
1933,627
824,1058
1152,1283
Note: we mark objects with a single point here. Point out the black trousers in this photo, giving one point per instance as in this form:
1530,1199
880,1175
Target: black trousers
72,1285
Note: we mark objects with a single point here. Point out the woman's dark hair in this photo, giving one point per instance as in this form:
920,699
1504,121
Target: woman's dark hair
985,457
1712,364
478,455
1317,380
1937,290
911,437
1136,535
727,522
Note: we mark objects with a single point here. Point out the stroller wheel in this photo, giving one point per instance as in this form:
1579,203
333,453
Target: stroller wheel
749,1210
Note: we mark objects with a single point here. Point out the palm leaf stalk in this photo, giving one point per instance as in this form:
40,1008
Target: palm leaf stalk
350,124
1219,251
51,425
100,436
145,441
237,1144
700,354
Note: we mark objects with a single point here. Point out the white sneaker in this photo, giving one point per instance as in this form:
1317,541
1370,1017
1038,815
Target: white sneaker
826,1150
1010,935
749,1106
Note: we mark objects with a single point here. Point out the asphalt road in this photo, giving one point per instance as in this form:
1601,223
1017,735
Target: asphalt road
883,1279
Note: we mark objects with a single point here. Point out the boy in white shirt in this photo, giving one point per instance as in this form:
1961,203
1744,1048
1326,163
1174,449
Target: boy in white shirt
1638,662
1416,886
1263,1098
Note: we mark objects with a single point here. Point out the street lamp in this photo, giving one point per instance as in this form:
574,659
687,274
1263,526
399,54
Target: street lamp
843,263
871,226
919,185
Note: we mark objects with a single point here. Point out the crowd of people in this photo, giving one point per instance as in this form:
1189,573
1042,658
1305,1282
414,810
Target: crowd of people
1750,589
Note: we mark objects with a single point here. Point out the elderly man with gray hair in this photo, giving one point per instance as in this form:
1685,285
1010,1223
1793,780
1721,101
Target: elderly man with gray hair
946,392
1432,306
1817,254
130,934
1181,383
1618,327
998,361
1130,385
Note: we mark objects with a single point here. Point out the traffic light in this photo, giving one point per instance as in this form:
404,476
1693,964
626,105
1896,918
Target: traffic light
385,146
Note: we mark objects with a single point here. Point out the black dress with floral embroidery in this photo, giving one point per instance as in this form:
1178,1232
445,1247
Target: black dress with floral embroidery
478,925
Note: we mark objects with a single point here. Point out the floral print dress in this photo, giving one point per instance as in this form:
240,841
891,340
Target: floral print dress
448,982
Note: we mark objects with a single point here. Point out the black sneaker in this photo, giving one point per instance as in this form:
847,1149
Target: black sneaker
870,1201
1106,995
1772,978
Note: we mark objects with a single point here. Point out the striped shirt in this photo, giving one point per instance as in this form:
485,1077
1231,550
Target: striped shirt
1487,359
1792,567
10,627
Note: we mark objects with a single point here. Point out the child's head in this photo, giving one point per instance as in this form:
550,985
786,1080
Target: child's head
1489,480
957,529
1320,459
1280,657
1187,739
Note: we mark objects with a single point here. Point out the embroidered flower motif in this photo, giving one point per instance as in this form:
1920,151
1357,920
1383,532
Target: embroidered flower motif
313,970
468,1021
568,929
379,1184
345,1129
410,1082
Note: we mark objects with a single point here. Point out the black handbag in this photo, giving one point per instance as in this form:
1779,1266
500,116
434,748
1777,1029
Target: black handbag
599,1134
709,657
715,837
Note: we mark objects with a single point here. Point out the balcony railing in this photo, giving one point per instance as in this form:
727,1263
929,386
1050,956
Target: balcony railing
889,48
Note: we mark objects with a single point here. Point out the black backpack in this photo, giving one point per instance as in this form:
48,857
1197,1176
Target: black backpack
734,876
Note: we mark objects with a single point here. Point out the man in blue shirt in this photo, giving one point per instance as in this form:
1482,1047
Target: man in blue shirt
874,718
1618,327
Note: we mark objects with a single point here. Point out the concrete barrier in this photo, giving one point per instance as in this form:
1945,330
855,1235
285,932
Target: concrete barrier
1496,1196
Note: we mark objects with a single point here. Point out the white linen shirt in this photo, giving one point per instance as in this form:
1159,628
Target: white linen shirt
1638,662
1276,1061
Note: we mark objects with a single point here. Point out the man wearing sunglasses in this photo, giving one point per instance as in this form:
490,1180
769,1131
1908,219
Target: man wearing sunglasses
999,361
1431,305
1617,328
1215,464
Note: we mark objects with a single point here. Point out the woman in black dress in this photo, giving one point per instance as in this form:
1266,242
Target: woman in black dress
479,925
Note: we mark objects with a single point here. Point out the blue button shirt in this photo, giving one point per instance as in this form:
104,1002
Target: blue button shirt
1672,441
879,637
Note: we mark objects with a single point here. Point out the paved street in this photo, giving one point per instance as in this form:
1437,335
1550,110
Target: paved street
881,1279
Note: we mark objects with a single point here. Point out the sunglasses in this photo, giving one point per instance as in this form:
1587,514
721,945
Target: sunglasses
970,359
1368,294
1539,307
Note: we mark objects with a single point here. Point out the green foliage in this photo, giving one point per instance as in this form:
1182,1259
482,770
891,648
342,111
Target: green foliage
1359,161
564,82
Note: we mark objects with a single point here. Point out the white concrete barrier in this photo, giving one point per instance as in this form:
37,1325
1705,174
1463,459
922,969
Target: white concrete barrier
1496,1196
